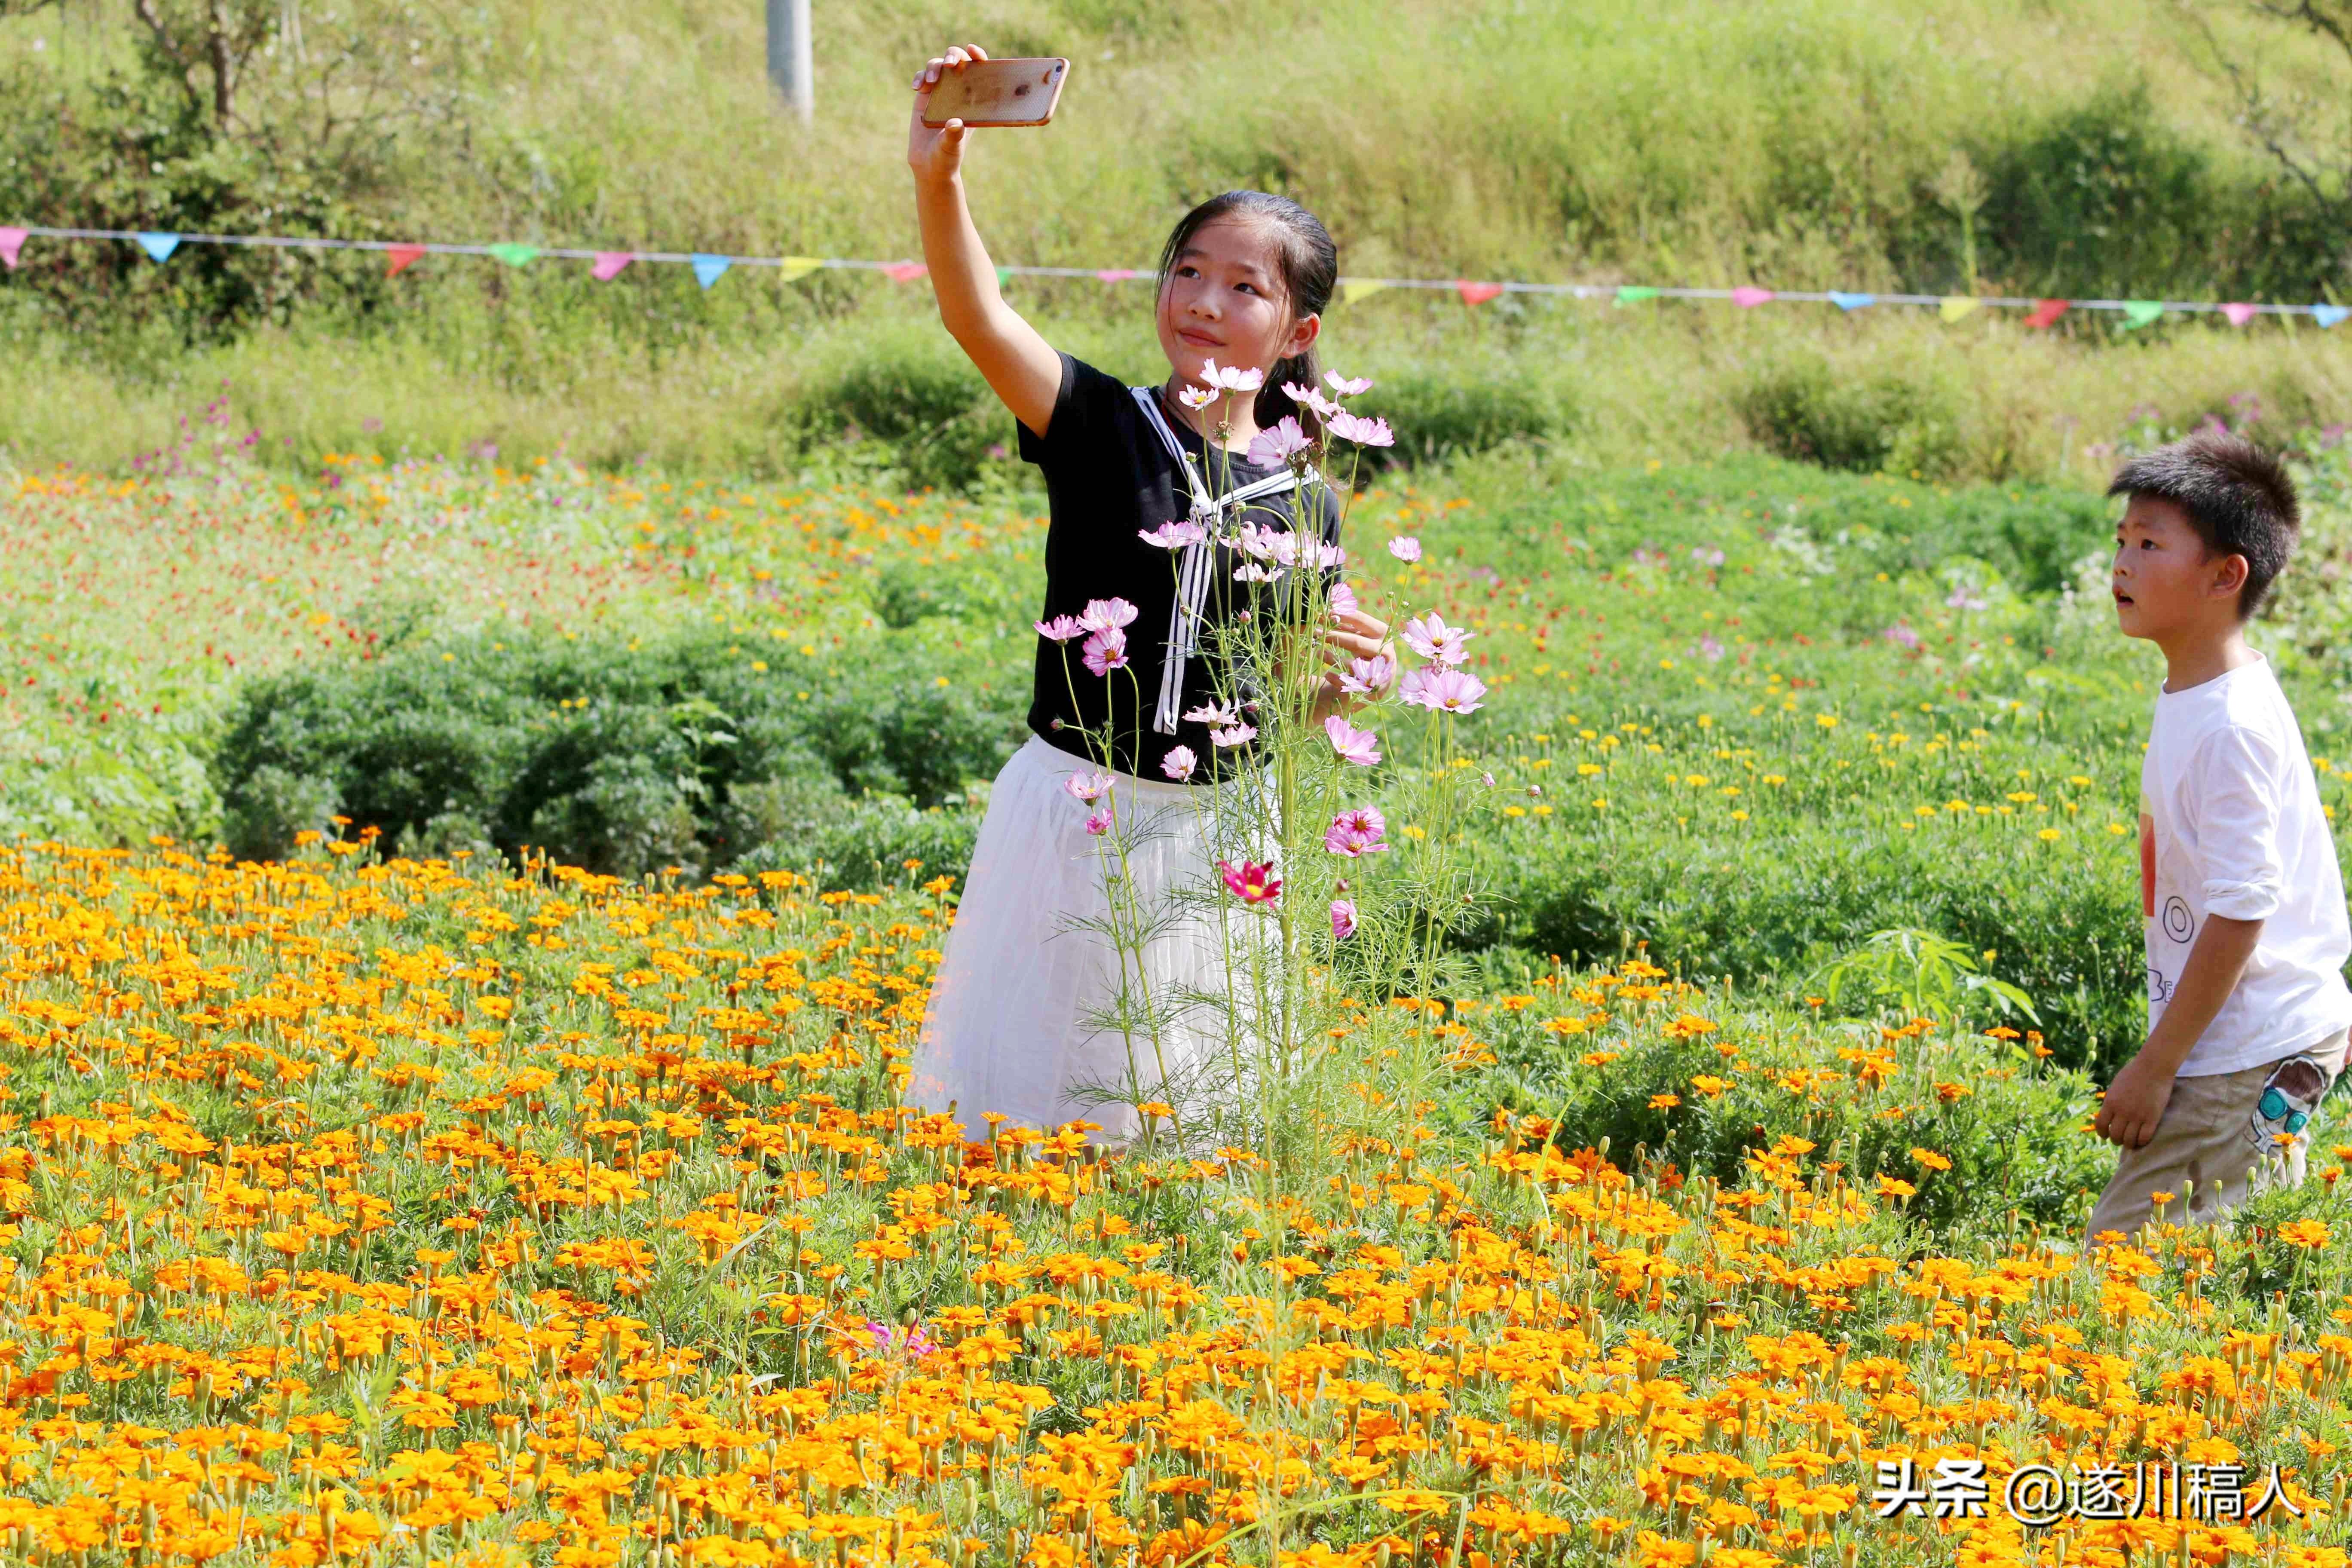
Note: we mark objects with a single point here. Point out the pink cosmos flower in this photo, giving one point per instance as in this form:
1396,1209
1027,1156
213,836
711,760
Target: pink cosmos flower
1430,638
1233,734
1195,396
1179,762
1250,572
1099,823
1106,615
1405,547
1061,628
1251,881
1900,632
1105,651
1443,690
1368,677
1228,379
1343,919
1709,649
1345,386
1273,447
1361,431
1174,536
1343,601
1213,714
1088,788
1356,831
1361,747
1310,397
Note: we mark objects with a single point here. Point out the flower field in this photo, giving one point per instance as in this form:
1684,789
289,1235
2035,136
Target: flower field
371,1207
376,1213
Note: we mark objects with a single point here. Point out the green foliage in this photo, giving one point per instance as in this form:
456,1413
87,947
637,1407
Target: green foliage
1460,413
2010,1129
1917,974
916,395
614,755
1807,409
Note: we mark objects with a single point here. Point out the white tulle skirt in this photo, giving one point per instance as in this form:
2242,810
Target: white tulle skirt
1015,1023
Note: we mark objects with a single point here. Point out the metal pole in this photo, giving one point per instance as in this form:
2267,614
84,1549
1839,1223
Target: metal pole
788,63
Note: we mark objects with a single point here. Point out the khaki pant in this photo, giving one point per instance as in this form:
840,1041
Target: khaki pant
2208,1151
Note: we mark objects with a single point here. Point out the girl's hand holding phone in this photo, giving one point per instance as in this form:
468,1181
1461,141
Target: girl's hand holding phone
936,152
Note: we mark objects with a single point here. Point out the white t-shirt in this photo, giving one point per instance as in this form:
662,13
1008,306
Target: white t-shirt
2230,825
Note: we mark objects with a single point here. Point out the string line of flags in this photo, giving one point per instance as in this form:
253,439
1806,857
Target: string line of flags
710,267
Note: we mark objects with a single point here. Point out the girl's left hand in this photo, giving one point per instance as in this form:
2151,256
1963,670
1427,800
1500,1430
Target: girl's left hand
1344,638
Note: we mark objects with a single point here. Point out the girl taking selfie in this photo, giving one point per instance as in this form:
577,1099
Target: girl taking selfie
1015,1022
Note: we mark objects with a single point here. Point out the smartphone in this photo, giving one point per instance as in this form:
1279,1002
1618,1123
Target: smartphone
998,92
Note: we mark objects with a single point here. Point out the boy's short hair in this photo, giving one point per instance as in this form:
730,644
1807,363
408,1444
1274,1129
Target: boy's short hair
2237,495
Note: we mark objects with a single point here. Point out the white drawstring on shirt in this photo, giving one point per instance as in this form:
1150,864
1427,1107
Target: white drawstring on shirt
1192,571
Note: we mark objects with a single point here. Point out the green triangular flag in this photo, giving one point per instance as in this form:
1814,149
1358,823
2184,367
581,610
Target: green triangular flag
2140,312
1632,294
1004,276
516,255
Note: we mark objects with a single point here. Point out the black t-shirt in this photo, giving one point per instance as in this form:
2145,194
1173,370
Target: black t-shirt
1108,477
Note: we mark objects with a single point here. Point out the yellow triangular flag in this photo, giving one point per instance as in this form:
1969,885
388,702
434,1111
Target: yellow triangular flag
1955,306
1354,289
801,266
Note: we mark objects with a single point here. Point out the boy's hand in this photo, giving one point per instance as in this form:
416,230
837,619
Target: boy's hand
2135,1104
936,152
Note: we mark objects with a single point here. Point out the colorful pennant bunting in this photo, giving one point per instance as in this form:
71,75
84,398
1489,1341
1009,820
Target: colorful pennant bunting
708,268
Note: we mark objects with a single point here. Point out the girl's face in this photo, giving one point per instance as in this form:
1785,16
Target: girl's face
1224,300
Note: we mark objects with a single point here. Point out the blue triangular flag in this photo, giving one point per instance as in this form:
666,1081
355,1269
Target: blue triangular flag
158,246
1851,301
2328,315
709,269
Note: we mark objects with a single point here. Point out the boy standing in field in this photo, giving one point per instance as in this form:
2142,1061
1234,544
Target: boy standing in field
2247,936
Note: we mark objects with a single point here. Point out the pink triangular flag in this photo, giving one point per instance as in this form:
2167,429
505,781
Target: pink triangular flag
12,244
905,272
401,257
1748,298
2239,314
1476,293
609,264
1117,274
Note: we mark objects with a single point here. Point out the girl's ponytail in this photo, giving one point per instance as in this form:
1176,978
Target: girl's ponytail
1310,271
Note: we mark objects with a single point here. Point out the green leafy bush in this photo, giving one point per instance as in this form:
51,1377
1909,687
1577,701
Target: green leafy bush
1807,409
915,395
611,755
1704,1099
1456,416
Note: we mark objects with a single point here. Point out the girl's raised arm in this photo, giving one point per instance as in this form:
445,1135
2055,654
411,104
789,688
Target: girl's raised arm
1019,364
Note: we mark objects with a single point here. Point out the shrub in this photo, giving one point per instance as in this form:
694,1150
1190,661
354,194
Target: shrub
1806,409
620,758
1442,416
915,395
